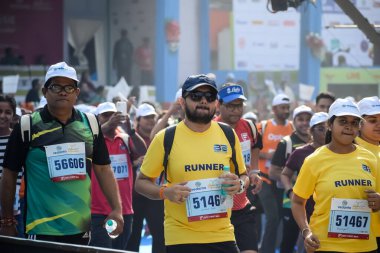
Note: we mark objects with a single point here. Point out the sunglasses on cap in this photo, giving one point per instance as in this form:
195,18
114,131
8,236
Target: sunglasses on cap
197,96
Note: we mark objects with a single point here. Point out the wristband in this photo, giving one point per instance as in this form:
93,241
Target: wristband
162,196
288,192
242,186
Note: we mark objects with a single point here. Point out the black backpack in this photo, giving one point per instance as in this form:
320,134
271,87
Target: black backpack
168,143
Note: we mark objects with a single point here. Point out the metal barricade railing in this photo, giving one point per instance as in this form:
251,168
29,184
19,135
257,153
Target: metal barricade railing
20,245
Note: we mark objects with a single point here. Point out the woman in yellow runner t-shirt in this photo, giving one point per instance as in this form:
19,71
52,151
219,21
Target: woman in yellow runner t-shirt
339,175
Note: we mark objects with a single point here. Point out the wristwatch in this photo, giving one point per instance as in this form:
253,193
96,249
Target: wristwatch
242,186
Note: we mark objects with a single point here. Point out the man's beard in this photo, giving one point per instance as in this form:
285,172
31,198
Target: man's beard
284,116
197,118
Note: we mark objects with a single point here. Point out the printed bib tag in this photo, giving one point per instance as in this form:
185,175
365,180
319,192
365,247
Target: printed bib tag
349,218
66,161
246,149
119,165
204,201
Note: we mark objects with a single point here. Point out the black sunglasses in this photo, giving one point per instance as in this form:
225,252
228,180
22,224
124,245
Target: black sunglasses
56,88
198,95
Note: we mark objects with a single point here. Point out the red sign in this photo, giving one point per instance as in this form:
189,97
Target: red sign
33,29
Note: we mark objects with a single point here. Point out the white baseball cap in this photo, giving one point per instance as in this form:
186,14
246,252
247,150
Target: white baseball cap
145,110
369,106
280,99
302,109
318,117
343,106
250,115
61,69
105,107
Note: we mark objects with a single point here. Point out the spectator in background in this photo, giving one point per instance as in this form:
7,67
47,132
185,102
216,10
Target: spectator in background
7,115
100,95
9,58
87,88
231,106
33,95
144,59
272,131
122,57
250,116
121,147
369,138
145,208
323,101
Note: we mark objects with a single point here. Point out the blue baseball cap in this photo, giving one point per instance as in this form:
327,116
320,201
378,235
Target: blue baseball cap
230,93
196,81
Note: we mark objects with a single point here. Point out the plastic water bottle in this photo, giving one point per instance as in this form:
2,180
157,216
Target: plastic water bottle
111,225
226,199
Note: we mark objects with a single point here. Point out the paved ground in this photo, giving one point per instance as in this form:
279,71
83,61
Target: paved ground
146,244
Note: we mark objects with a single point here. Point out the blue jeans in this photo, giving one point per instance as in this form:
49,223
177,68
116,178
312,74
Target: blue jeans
100,238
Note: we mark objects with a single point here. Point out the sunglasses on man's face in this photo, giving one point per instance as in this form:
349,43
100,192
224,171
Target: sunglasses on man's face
56,88
197,96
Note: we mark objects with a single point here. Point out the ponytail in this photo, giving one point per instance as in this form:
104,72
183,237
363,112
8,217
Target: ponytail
328,137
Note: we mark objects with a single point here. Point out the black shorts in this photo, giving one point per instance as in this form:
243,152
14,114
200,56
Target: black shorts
245,229
217,247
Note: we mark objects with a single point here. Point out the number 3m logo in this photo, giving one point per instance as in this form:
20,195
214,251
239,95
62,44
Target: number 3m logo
220,148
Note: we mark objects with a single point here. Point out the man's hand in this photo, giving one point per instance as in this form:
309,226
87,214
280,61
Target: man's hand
177,193
256,182
373,200
117,216
233,182
311,243
174,107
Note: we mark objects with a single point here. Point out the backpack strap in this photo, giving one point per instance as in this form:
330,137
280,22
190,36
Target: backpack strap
263,126
125,138
289,146
94,125
253,129
291,123
229,133
25,126
168,143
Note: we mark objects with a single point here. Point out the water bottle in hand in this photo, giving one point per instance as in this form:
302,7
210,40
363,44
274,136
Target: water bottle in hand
227,199
111,225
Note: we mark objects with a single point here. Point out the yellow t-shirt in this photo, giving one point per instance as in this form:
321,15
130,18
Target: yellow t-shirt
330,175
374,149
189,152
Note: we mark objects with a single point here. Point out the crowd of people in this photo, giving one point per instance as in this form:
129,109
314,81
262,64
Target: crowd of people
66,171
